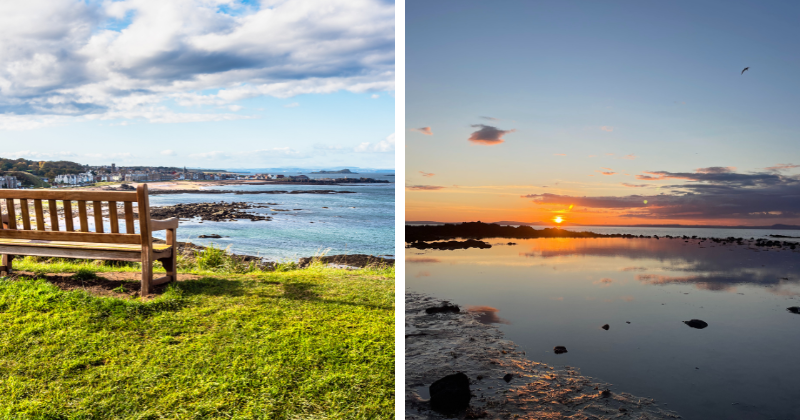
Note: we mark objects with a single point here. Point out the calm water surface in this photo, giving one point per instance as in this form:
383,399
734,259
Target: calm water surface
361,223
547,292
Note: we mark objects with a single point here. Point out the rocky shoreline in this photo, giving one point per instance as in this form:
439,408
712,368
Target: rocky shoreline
503,383
164,192
213,212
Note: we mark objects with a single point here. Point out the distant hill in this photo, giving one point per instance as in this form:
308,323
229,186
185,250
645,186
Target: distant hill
47,169
343,171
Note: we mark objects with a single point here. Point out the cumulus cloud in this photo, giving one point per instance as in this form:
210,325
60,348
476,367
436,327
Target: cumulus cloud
67,59
423,187
708,193
423,130
384,146
488,135
427,174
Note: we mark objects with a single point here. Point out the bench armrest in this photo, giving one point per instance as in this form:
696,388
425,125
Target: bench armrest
171,223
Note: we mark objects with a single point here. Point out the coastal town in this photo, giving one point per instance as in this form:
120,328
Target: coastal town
73,175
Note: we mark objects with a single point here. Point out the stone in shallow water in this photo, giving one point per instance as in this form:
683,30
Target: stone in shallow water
508,377
450,394
794,310
559,349
605,327
696,323
442,309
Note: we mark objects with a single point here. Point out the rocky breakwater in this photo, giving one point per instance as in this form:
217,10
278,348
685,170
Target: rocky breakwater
215,212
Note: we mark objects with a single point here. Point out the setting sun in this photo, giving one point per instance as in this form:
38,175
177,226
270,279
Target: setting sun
558,219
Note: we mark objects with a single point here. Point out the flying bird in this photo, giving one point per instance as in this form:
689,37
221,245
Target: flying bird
745,69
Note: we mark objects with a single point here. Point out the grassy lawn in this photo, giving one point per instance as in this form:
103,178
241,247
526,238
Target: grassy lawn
316,343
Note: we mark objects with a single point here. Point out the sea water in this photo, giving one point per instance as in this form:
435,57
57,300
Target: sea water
559,292
359,223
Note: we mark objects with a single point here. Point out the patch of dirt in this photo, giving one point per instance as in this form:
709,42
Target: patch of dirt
111,284
441,344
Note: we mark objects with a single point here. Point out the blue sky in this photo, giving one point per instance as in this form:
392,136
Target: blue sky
212,83
597,95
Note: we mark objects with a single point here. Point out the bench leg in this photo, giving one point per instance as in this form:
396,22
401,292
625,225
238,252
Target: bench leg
7,264
171,265
147,274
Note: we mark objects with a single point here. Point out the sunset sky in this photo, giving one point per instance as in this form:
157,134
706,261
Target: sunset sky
603,112
198,83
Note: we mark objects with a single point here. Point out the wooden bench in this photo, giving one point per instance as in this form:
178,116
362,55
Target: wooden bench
62,238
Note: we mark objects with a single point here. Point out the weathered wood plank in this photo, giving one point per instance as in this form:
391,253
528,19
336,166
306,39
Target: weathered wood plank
37,205
112,214
72,195
84,219
68,218
53,215
161,280
146,238
26,216
129,226
12,215
110,238
98,216
71,253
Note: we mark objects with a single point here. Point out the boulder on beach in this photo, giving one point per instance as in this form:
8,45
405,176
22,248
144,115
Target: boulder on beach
450,394
445,308
696,323
794,310
605,327
559,349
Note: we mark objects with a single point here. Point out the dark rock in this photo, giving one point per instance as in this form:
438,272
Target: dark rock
794,310
696,323
627,322
450,245
445,308
212,236
605,393
605,327
450,394
508,377
559,349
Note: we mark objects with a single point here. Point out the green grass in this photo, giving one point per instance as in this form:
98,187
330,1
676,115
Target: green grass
316,343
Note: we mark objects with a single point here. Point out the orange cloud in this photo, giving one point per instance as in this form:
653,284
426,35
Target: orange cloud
424,130
488,135
427,174
423,187
559,154
607,172
607,128
781,167
629,157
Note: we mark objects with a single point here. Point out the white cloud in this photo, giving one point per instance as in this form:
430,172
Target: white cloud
169,153
383,146
375,96
121,59
291,105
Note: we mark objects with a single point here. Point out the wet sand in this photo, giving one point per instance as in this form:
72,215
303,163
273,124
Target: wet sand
442,344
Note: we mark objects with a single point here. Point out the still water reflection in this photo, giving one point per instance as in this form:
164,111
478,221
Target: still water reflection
547,292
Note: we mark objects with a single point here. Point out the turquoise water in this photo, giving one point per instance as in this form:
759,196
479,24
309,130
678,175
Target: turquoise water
360,223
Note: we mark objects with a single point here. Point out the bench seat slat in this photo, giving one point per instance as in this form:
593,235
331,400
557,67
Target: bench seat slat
93,254
80,245
106,238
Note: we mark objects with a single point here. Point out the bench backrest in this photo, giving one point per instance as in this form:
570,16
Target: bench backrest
74,202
